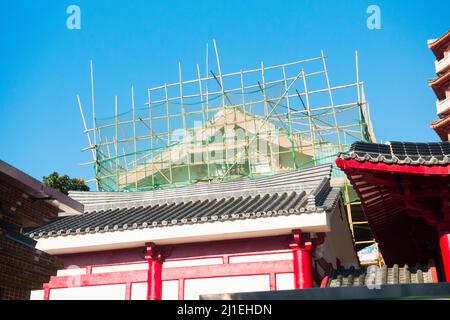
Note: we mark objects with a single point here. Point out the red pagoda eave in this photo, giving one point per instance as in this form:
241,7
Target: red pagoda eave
400,202
346,164
437,45
440,81
442,128
439,85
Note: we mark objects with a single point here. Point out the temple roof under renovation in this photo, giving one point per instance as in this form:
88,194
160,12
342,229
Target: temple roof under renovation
292,193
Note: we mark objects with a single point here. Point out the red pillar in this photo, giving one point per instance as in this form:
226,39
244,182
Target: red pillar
301,248
128,291
46,292
444,243
155,259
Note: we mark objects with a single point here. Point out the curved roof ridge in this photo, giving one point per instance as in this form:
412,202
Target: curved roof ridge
306,179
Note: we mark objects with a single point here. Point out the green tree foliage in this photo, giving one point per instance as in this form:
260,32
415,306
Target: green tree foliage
64,183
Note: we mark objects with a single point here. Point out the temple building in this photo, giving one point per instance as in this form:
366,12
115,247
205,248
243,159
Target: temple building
404,190
284,231
233,191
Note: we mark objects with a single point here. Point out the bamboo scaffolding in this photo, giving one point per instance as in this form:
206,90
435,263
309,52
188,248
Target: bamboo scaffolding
269,109
300,116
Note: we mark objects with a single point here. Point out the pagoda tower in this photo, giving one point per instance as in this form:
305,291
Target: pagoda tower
441,85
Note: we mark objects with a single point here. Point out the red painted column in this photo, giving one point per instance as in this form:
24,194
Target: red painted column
128,291
301,249
444,243
155,259
46,292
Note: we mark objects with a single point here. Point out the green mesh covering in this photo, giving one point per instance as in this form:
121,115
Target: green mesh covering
255,130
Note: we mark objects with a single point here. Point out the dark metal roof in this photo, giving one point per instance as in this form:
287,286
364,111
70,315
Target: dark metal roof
414,291
374,275
36,189
404,153
284,194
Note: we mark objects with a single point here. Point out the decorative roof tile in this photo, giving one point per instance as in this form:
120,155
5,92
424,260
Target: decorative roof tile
294,193
403,153
374,275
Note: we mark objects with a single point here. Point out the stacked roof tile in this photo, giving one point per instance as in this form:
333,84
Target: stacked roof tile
374,276
297,192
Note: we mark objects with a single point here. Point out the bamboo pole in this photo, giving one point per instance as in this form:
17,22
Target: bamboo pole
85,127
246,137
134,138
205,126
210,129
311,126
168,135
224,144
266,112
183,117
93,122
330,93
151,135
116,138
290,132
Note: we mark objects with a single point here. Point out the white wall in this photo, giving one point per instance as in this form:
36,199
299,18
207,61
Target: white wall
120,268
193,288
170,290
139,291
106,292
285,281
37,295
338,242
192,262
262,257
71,271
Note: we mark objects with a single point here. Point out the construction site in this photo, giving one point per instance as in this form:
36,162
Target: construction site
268,165
253,184
221,126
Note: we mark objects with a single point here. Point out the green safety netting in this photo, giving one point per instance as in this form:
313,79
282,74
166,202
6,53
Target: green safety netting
223,136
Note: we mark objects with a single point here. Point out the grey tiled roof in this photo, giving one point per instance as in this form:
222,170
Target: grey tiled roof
307,180
374,275
400,153
292,193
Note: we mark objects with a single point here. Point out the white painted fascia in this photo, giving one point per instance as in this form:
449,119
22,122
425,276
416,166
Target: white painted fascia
186,233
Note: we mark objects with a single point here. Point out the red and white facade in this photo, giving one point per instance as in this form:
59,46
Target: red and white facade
188,270
184,262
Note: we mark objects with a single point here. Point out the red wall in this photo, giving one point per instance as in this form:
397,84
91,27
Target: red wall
224,250
190,250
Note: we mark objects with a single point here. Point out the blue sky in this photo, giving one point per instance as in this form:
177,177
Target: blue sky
43,65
